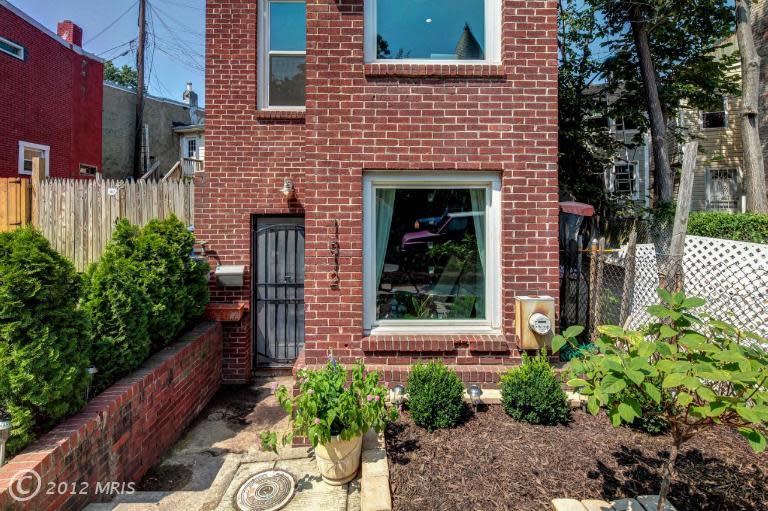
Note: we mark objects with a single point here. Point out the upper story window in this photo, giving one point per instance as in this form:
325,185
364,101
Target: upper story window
715,119
11,48
283,50
28,152
432,30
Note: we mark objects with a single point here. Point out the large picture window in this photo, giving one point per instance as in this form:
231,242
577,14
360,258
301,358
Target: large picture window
431,251
432,30
283,48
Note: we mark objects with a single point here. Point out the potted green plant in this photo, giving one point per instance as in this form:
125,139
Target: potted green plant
333,416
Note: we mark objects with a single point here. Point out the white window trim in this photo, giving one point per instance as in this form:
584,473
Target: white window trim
263,59
492,39
399,179
23,145
725,118
22,51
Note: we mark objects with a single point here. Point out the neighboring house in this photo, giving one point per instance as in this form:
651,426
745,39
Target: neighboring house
629,176
173,132
386,176
51,94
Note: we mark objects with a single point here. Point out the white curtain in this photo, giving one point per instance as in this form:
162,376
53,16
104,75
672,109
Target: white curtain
385,202
478,207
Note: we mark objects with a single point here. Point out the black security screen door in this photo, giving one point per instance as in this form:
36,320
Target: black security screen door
278,290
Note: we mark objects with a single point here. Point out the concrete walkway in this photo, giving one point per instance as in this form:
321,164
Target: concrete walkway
221,451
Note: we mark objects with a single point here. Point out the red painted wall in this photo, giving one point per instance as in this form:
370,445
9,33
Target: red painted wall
370,117
53,98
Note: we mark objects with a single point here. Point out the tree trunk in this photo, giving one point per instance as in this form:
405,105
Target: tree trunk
668,474
754,168
664,181
672,276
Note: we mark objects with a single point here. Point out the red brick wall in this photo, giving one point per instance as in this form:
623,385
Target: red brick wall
363,117
126,429
53,98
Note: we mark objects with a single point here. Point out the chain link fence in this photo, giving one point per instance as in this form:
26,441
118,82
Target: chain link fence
613,282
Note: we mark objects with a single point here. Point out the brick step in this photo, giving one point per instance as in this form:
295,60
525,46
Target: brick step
476,344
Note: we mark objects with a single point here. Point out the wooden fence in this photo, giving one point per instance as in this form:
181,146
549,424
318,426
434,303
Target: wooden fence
15,203
78,216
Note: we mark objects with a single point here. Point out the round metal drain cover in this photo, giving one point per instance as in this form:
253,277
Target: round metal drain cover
266,491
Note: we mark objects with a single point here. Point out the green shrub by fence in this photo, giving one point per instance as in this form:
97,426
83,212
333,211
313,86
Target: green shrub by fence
43,336
749,227
142,294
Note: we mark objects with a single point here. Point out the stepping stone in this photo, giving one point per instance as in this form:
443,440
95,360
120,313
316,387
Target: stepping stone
568,505
597,505
649,502
627,505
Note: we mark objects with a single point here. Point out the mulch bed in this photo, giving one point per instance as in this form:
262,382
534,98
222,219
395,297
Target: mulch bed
492,462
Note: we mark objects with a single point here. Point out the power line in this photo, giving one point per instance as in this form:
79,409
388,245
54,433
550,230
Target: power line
182,4
116,47
113,22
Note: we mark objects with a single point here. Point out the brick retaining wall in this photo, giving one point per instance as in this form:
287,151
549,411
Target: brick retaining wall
121,433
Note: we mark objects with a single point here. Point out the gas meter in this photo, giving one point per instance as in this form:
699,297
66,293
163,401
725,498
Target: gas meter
534,321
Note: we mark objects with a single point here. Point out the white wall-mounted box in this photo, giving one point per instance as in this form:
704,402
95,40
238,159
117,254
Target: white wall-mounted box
230,275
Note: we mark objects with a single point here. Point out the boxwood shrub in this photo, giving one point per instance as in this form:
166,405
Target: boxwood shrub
534,394
435,396
43,336
749,227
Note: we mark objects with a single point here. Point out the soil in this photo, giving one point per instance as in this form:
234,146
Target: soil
491,462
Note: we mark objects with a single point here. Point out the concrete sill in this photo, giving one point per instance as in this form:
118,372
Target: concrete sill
281,115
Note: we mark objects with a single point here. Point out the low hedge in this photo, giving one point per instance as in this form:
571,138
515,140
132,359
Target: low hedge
750,227
435,396
44,341
141,295
533,393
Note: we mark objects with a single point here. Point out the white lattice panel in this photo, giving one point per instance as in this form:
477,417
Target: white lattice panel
732,276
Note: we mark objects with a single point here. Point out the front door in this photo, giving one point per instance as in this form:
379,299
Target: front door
278,290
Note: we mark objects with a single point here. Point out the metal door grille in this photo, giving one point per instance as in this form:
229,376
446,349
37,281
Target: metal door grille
278,292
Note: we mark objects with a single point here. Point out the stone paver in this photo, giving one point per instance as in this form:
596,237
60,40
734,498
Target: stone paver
641,503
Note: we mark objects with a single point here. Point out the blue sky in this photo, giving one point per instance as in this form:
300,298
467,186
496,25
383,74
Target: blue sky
175,53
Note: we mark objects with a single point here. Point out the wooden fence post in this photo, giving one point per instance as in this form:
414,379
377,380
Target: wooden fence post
629,275
592,288
674,270
38,169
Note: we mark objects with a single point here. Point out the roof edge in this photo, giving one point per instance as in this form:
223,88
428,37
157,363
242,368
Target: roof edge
29,19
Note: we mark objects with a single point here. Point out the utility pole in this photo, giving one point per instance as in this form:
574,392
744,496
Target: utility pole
138,169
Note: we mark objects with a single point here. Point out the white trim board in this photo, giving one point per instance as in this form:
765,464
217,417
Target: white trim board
490,181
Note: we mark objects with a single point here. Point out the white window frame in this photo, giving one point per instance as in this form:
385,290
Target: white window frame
725,117
21,51
263,58
492,46
491,182
24,145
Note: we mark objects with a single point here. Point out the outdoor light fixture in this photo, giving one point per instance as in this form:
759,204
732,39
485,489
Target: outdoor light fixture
288,189
5,432
474,392
91,371
398,394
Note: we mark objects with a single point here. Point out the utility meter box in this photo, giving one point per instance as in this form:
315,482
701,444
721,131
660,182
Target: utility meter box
534,321
230,275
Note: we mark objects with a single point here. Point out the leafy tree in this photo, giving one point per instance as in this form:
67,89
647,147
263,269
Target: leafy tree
586,146
711,374
663,55
125,76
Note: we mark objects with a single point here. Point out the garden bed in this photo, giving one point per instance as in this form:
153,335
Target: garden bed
493,462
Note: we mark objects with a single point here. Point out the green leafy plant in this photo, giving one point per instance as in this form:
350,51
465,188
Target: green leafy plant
711,374
176,285
533,393
324,407
749,227
43,336
435,396
118,308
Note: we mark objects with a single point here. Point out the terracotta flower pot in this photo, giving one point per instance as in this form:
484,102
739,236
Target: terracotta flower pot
339,460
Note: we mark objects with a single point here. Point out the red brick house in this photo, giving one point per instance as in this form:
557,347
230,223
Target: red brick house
52,93
385,173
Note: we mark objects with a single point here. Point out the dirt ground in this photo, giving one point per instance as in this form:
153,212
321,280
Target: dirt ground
491,462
